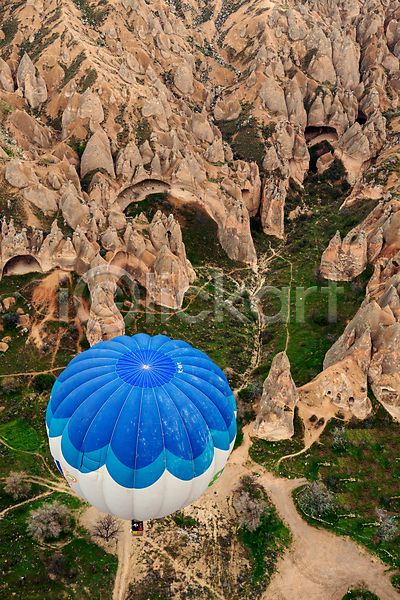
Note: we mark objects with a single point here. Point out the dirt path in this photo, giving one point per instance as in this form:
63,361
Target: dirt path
319,564
124,549
42,458
9,508
33,372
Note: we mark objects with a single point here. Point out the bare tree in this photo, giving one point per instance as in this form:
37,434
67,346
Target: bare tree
48,521
10,384
316,501
249,509
388,529
249,502
340,439
107,528
16,486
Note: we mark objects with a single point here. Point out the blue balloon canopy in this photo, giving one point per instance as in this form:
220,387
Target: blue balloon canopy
140,426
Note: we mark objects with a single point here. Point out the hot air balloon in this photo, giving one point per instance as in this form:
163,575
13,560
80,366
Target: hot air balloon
141,426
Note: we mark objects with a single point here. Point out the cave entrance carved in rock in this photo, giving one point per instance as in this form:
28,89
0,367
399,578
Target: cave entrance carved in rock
314,135
139,191
19,265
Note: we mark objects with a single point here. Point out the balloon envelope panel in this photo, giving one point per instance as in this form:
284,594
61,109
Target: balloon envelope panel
141,426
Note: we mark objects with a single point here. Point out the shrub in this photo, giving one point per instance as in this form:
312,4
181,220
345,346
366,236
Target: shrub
57,564
186,522
16,486
43,381
10,385
11,320
340,439
388,529
48,521
84,343
229,373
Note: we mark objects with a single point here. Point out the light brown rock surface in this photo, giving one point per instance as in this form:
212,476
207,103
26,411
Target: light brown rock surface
344,260
97,154
343,384
275,418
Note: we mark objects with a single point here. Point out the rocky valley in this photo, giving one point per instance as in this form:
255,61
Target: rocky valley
226,173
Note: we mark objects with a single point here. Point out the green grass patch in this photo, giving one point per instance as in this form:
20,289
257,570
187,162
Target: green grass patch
10,28
363,475
20,435
73,69
244,136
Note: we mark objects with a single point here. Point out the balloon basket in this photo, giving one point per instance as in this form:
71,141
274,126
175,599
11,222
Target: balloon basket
136,527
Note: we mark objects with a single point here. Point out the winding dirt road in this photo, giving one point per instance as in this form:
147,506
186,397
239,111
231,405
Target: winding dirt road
318,565
124,548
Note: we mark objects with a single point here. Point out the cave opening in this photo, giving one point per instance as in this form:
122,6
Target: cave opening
318,134
20,265
361,118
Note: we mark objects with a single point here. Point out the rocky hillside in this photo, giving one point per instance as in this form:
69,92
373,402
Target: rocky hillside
223,106
215,102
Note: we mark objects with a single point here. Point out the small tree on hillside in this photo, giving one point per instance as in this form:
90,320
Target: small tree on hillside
48,521
107,528
43,381
16,486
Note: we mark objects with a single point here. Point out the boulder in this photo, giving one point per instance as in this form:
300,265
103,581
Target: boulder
273,207
6,80
227,111
32,131
127,160
344,260
235,236
90,107
74,212
273,97
19,174
201,128
34,88
344,385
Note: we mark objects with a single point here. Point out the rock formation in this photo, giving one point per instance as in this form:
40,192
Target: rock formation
105,320
132,117
157,262
376,324
344,260
275,418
